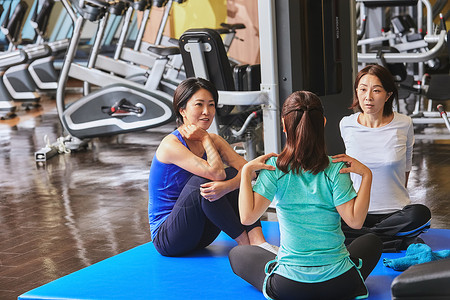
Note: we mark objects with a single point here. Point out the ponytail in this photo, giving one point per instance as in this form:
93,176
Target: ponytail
305,134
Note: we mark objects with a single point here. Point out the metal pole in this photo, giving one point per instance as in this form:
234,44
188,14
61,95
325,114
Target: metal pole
123,33
141,31
269,75
71,51
163,22
95,50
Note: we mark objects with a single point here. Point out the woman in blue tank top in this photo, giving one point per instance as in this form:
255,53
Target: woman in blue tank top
192,196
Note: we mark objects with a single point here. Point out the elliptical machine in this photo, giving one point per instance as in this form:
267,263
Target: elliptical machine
16,80
119,106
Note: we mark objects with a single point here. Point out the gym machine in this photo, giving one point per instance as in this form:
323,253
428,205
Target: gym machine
306,45
153,65
16,82
316,52
145,67
36,72
415,48
118,106
43,70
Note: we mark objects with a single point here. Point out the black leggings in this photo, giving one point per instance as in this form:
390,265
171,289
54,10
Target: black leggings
195,222
248,262
396,230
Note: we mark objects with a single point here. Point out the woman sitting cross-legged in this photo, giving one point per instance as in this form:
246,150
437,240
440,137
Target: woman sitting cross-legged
383,140
313,192
192,197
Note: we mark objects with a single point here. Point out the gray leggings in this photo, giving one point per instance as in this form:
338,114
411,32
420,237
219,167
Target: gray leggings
248,262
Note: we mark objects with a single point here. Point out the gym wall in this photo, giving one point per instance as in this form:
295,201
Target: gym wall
209,14
190,14
246,47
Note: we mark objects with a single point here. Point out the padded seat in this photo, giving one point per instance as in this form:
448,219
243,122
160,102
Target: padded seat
439,87
428,281
164,50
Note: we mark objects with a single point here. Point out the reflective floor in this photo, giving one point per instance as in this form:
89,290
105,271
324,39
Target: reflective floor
83,207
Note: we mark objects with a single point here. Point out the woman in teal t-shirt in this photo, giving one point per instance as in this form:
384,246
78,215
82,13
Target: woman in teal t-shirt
312,193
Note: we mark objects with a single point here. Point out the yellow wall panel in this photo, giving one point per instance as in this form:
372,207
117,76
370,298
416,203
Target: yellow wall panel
197,14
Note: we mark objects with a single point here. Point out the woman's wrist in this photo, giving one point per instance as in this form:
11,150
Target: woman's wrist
206,138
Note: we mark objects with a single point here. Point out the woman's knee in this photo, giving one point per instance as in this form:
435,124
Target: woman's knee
368,244
374,243
196,181
368,248
418,211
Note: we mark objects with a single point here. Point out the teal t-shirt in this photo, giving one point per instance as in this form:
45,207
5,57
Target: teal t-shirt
311,240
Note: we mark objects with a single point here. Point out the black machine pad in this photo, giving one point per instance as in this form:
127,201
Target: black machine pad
428,281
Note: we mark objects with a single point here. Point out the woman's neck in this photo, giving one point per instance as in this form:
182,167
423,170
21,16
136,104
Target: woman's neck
374,121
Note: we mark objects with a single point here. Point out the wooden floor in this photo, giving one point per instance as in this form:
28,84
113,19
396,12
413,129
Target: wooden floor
83,207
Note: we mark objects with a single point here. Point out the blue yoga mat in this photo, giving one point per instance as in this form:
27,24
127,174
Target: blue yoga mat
142,273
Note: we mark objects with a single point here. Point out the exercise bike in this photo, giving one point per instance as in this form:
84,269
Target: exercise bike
146,68
118,106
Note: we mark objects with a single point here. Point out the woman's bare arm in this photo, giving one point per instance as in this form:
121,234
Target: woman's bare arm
252,205
230,158
354,212
171,150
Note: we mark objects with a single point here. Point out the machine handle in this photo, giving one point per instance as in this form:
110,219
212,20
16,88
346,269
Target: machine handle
442,24
238,133
443,113
406,57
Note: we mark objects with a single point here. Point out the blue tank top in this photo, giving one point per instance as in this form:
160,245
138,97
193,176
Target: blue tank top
165,184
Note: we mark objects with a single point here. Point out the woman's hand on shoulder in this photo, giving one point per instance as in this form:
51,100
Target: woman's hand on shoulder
193,132
352,165
259,163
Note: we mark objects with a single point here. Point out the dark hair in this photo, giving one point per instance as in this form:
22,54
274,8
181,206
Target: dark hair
186,89
387,80
305,134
